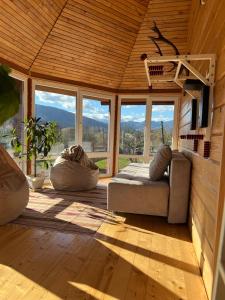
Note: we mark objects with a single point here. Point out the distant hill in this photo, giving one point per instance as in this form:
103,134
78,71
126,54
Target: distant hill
65,119
140,125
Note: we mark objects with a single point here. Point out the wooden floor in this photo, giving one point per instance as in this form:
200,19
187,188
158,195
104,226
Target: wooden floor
132,257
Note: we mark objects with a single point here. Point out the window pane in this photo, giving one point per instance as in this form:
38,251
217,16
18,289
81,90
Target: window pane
96,120
132,124
61,109
161,125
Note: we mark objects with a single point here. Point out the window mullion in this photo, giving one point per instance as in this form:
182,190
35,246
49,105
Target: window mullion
147,133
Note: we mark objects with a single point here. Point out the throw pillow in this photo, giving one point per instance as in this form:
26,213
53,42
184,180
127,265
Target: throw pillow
160,163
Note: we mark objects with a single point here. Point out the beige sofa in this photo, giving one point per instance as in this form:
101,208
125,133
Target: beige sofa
131,191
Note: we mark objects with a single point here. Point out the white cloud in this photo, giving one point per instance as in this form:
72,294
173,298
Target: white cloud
62,101
161,118
94,110
97,116
162,108
134,118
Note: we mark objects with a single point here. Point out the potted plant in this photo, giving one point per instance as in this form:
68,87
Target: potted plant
40,137
9,95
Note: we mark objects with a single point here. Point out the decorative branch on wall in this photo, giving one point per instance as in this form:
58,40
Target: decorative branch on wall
161,38
156,40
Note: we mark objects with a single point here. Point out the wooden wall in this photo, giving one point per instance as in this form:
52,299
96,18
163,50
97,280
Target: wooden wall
206,35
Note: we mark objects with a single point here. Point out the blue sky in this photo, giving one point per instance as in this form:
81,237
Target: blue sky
101,112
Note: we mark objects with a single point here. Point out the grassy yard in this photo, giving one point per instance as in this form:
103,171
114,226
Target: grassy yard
123,162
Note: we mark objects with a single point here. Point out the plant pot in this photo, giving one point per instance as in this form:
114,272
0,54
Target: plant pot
35,183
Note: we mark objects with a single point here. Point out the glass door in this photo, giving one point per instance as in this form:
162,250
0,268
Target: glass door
162,125
132,132
143,125
97,131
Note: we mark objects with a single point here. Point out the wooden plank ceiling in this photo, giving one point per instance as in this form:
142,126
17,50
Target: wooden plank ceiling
172,19
94,42
24,26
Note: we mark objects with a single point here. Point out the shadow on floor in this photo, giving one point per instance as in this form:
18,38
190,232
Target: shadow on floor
75,266
87,266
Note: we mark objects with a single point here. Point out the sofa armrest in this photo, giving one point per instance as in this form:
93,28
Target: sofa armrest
180,171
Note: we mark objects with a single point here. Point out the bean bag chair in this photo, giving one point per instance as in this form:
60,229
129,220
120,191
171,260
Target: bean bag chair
73,171
14,190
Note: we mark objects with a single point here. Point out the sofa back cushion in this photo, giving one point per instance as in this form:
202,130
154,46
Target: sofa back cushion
160,163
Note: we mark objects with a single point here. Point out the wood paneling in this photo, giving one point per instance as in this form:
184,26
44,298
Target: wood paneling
24,26
172,19
206,35
92,42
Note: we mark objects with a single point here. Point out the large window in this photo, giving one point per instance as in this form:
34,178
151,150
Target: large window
96,131
58,106
132,131
132,125
162,124
144,124
88,118
96,121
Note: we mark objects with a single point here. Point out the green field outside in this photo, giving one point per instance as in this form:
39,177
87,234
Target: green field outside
123,162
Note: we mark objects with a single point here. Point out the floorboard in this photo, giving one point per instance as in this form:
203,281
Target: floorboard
130,257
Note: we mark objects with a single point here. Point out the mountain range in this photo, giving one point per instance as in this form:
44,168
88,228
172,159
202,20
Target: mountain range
65,119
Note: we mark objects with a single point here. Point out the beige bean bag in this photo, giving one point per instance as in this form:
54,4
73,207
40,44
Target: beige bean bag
72,176
14,190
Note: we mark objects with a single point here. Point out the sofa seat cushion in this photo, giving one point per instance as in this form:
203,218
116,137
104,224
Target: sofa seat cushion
160,163
137,194
135,170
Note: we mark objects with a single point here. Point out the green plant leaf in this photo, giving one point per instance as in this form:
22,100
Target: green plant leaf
9,95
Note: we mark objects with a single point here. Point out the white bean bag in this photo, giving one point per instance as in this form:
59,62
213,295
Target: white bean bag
14,190
72,176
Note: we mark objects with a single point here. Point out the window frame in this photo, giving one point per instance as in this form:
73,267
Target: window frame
108,154
147,130
114,120
80,93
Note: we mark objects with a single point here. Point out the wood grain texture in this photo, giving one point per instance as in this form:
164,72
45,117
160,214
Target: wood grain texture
133,257
93,42
206,35
24,25
172,19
